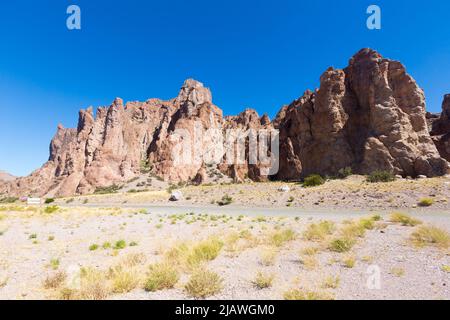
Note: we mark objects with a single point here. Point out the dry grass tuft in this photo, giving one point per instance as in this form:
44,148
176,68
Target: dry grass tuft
263,280
55,281
268,256
161,276
203,283
430,236
298,294
404,219
124,279
398,272
331,282
319,231
279,238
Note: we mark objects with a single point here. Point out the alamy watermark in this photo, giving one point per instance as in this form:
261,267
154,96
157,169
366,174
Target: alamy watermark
236,146
374,20
73,21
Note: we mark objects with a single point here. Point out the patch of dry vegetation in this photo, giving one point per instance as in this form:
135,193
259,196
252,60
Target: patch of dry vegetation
319,231
203,283
263,280
430,236
404,219
300,294
161,276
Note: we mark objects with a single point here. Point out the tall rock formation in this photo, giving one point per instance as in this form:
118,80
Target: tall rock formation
369,116
440,130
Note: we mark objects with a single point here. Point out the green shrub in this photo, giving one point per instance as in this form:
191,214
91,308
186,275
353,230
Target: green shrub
8,200
145,167
106,190
93,247
226,200
49,200
341,244
426,202
380,176
203,283
121,244
313,180
51,209
344,173
161,276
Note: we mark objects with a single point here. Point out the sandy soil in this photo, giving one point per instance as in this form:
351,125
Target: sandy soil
35,246
351,193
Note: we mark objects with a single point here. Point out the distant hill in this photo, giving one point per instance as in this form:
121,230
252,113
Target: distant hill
5,176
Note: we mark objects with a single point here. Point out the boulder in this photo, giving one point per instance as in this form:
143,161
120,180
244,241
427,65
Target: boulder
176,196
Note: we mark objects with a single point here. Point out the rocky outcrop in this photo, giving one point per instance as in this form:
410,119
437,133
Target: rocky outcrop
173,139
5,176
440,129
369,116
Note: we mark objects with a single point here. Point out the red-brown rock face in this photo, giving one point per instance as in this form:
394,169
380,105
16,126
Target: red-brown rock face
441,129
369,116
177,139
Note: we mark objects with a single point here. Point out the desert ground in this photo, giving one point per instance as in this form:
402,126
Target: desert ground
346,239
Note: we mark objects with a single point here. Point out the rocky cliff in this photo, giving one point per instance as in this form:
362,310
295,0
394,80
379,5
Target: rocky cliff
368,116
5,176
440,129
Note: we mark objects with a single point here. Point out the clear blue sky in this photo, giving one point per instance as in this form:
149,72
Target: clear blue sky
251,53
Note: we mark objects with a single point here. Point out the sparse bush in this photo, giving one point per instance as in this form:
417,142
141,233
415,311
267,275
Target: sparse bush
309,262
331,282
398,272
344,173
55,281
51,209
120,244
9,200
123,278
445,268
319,231
206,250
313,180
341,244
310,251
54,264
106,245
93,247
278,238
161,276
268,256
349,261
426,202
145,167
380,176
226,200
107,190
49,200
431,236
404,219
94,285
263,281
203,283
353,230
297,294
